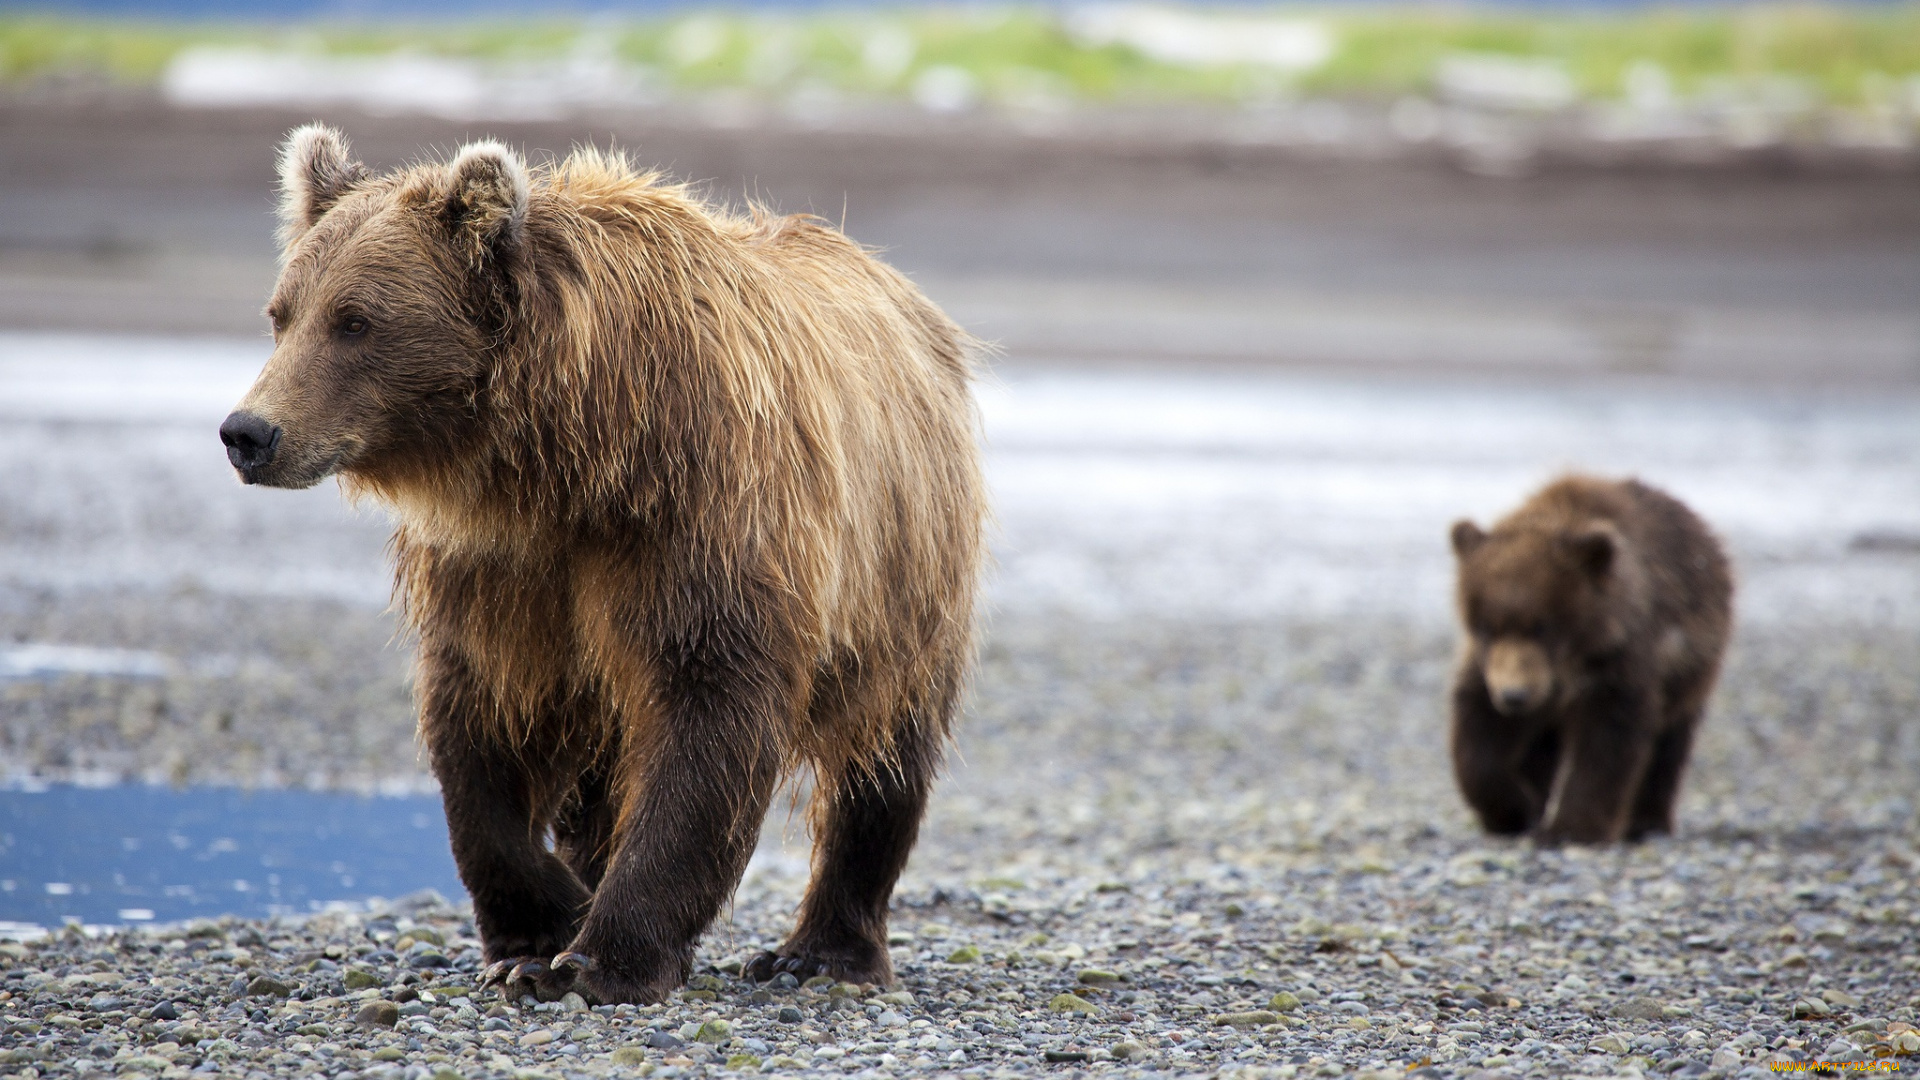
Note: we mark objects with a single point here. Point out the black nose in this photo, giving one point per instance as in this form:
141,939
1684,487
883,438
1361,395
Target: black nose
1513,698
250,440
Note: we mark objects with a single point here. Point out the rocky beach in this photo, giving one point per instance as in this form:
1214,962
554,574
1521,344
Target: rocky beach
1198,818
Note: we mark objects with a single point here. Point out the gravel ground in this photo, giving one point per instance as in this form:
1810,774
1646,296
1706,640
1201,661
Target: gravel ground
1202,765
1166,849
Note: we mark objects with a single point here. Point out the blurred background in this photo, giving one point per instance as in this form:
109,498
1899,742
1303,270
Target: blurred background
1277,293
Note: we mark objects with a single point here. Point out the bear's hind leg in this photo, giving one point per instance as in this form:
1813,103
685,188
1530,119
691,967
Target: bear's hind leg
867,823
583,831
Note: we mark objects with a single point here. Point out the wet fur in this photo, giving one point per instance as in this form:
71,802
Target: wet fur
687,501
1629,595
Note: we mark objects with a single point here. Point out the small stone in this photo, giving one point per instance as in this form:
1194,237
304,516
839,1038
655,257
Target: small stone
629,1055
378,1014
446,1072
1638,1008
791,1015
1258,1018
389,1053
1065,1055
664,1040
890,1019
899,937
268,986
1099,977
1811,1009
1907,1042
104,1003
360,979
572,1002
743,1061
1608,1044
1284,1002
1838,997
537,1038
818,982
1127,1051
965,954
1072,1003
163,1011
714,1032
785,981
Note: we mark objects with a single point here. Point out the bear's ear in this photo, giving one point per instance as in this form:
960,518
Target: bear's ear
1467,538
315,172
1593,547
487,201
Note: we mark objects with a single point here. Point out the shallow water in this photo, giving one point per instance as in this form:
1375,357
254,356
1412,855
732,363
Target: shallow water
1239,495
140,854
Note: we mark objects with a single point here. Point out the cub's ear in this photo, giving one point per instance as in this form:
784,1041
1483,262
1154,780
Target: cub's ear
1467,538
1593,547
315,172
487,200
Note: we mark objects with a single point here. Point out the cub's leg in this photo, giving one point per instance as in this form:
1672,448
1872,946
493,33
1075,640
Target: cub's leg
1485,747
1653,808
499,798
865,826
1607,742
700,773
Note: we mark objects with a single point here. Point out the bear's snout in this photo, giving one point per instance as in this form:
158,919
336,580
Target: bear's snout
250,441
1514,699
1519,676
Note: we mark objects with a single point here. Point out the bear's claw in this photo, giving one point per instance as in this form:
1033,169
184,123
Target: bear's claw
573,963
495,974
764,967
806,965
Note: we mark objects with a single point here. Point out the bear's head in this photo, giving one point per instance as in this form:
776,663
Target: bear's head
1536,601
391,293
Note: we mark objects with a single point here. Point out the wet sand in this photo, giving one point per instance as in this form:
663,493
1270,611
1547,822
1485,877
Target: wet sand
141,218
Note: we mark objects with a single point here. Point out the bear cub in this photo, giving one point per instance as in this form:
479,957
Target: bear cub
1596,617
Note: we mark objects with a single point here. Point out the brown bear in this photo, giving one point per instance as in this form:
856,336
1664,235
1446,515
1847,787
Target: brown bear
685,500
1596,616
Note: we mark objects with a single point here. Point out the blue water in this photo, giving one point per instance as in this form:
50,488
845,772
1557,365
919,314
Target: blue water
134,854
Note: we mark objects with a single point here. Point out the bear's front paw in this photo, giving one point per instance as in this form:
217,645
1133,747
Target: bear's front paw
864,965
528,976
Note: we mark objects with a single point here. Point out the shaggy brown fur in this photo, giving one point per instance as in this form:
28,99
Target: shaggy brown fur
1597,614
686,501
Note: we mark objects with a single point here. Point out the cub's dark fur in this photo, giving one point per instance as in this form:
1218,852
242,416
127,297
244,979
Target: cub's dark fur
1596,617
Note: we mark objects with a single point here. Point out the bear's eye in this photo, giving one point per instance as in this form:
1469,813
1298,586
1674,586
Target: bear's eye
353,326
